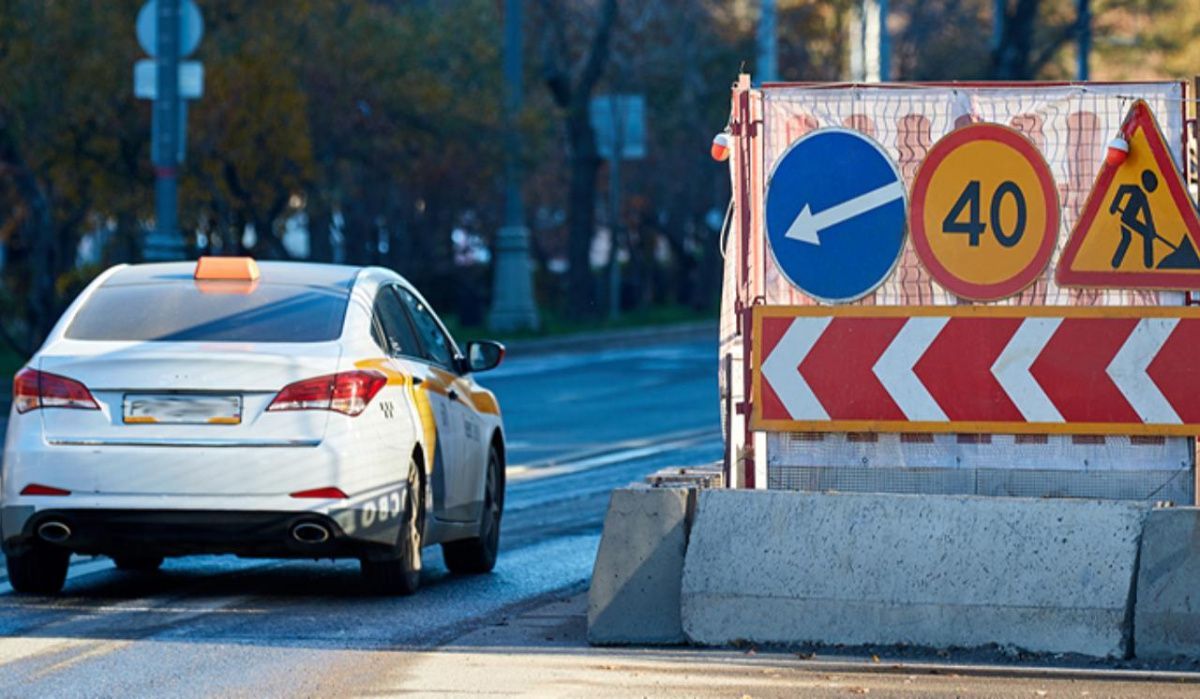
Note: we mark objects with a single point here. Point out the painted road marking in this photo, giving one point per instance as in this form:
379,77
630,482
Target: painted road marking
626,451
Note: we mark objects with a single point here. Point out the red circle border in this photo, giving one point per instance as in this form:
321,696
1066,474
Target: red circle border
916,213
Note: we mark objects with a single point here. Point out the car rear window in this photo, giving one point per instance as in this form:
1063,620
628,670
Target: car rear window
183,312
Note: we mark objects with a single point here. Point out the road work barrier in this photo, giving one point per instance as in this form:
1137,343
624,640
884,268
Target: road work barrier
953,571
1167,614
1097,578
634,596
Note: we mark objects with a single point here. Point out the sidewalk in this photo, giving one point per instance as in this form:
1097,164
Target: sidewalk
542,652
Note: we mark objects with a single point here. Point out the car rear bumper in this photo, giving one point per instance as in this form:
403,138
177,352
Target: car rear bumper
268,534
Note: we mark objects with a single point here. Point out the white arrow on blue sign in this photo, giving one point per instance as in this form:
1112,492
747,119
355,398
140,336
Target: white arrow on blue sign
836,214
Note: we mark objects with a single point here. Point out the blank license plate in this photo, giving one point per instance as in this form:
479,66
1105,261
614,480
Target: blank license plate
182,410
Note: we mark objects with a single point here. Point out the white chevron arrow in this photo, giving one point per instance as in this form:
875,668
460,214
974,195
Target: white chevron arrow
1011,369
895,369
782,368
1128,370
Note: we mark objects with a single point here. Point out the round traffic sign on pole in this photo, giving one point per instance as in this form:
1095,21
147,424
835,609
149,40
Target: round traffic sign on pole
835,219
191,27
984,212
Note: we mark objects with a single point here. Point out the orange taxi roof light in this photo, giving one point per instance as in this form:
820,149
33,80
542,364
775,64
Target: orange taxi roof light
234,269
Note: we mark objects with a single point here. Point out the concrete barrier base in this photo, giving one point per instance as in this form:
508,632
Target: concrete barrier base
634,596
1167,612
940,571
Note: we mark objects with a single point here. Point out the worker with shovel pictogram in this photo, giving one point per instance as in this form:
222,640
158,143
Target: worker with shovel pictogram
1132,203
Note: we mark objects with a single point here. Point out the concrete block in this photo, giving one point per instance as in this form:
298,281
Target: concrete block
937,571
1166,619
634,596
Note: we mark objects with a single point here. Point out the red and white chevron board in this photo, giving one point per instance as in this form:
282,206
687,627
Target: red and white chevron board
1008,369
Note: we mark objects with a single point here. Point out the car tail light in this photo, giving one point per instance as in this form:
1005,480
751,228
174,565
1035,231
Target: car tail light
329,493
348,393
39,489
33,389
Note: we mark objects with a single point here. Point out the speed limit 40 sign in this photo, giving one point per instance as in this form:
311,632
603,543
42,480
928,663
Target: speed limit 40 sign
984,212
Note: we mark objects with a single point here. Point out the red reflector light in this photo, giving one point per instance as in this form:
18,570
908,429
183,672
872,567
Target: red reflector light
39,489
348,393
329,493
33,389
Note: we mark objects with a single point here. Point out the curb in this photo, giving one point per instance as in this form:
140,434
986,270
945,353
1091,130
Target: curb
616,339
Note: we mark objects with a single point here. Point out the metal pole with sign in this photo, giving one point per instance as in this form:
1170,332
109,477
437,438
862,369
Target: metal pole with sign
168,30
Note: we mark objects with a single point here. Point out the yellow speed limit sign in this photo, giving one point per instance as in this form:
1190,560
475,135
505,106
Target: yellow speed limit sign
984,214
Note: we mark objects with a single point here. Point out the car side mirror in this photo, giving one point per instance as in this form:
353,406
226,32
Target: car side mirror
484,354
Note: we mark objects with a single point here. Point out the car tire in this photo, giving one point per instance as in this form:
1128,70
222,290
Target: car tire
478,555
401,575
138,564
40,570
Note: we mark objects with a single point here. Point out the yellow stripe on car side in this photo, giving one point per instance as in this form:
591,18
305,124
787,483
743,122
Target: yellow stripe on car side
420,399
384,366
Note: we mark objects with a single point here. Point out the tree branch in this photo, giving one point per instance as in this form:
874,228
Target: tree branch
554,48
598,53
1057,39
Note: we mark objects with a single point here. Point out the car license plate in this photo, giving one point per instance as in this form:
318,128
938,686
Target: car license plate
168,409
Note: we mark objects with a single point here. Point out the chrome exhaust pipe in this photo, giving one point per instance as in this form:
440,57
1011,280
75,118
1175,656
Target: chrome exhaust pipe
310,533
54,532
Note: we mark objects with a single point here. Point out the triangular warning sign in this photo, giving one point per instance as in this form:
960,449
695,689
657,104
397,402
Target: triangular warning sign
1138,229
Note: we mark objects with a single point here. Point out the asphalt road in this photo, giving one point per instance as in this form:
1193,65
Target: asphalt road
579,425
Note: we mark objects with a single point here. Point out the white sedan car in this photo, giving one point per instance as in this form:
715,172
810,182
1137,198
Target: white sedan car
273,410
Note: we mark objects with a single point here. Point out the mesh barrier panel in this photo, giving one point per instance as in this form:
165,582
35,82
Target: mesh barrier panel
1173,486
1071,126
1139,468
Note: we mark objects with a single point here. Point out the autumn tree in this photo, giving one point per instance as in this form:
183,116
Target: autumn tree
575,53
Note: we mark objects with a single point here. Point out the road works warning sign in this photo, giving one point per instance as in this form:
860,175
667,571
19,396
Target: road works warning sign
1138,228
998,369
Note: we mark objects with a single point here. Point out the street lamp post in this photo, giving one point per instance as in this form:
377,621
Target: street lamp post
512,287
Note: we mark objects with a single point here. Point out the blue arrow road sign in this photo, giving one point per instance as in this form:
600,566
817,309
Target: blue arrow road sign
836,214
